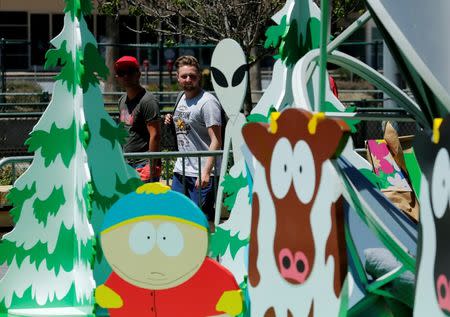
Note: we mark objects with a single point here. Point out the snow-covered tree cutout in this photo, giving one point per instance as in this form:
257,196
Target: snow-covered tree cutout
78,172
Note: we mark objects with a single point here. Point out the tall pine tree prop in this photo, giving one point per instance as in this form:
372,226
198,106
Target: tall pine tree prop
78,171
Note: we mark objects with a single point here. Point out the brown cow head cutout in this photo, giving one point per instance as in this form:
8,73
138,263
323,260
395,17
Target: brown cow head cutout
292,158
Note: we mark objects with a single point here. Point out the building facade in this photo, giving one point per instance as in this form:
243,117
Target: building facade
28,26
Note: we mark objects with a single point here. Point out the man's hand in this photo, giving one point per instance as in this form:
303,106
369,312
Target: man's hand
168,118
205,181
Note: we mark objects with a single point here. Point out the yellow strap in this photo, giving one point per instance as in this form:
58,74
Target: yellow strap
230,303
436,125
107,298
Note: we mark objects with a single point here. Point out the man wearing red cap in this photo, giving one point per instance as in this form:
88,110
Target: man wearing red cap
139,111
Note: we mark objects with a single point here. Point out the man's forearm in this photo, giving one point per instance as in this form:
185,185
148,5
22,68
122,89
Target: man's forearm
214,146
154,146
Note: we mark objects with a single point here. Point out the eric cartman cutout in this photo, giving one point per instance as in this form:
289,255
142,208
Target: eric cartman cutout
156,242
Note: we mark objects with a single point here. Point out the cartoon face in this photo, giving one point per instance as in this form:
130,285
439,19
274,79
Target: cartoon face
292,159
229,75
155,253
440,197
434,161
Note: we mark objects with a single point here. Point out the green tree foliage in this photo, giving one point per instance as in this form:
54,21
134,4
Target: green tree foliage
78,7
221,239
50,206
56,142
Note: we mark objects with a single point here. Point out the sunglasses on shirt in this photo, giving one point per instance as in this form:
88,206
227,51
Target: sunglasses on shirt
123,72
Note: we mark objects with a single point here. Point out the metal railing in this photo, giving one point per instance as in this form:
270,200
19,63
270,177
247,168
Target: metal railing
167,167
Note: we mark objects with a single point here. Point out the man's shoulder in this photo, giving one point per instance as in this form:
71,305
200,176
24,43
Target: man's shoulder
149,100
208,99
148,97
209,96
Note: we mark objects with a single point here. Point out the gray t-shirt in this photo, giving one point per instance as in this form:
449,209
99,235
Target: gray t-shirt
135,114
192,118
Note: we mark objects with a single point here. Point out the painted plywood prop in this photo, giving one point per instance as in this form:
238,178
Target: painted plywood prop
282,250
385,168
433,273
295,84
230,240
296,35
156,241
77,172
423,60
297,258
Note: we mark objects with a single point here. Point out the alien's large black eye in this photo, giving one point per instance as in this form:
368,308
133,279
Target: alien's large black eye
238,75
219,77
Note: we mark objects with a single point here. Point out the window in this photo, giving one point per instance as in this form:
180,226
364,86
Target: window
14,29
40,37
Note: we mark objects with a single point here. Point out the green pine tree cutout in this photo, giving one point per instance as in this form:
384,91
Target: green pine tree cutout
53,143
76,8
352,123
50,206
113,132
290,42
231,187
257,117
276,33
72,70
94,67
221,240
17,197
77,172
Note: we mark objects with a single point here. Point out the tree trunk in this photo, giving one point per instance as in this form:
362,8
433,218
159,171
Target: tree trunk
254,84
248,105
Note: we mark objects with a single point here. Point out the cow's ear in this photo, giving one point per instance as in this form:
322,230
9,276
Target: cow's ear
331,137
259,139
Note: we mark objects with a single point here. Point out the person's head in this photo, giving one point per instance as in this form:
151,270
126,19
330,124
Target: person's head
188,73
127,71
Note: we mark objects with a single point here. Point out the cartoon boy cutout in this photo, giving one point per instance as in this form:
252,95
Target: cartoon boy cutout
156,242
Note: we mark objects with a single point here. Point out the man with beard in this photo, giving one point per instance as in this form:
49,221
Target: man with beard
198,120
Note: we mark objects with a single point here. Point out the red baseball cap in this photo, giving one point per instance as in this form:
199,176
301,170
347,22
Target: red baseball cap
126,62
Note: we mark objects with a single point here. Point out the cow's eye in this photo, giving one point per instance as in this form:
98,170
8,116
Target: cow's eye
304,172
142,238
281,168
440,184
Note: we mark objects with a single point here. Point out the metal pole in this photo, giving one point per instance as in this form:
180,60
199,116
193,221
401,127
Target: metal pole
160,61
324,19
3,68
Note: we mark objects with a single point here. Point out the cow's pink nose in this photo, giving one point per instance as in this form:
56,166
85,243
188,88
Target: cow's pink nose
293,267
443,292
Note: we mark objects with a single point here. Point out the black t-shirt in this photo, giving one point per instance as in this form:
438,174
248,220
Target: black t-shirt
135,114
